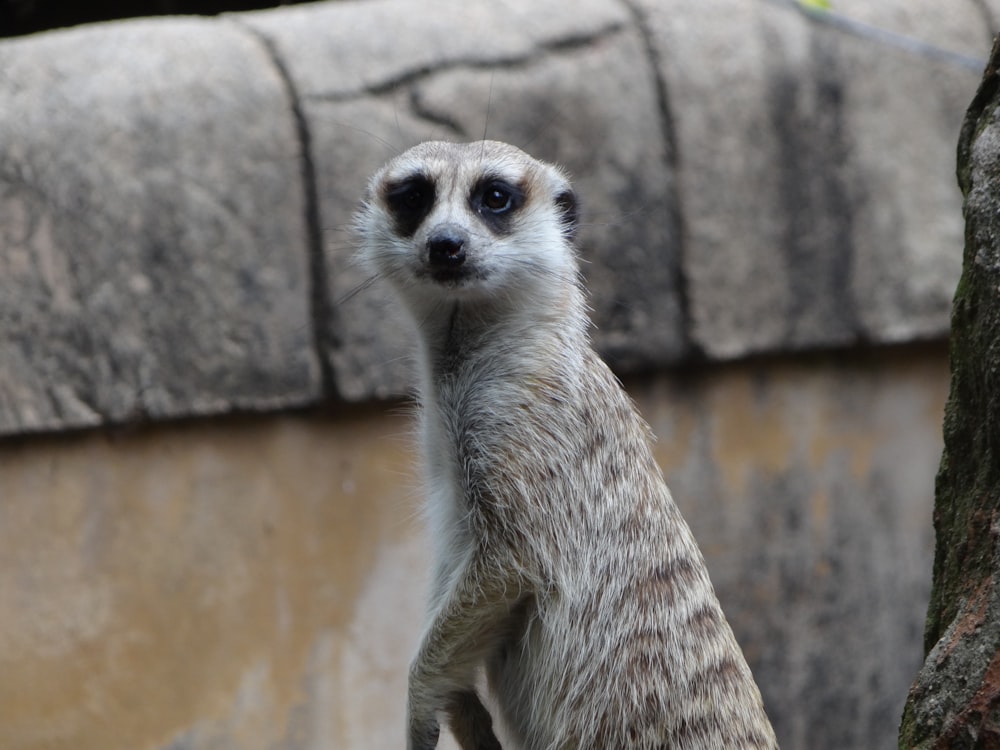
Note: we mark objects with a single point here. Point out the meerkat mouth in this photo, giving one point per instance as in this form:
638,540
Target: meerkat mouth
456,278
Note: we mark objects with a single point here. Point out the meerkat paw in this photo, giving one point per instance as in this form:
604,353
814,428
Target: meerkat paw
421,721
423,734
470,722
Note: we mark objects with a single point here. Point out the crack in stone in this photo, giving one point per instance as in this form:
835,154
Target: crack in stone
321,308
569,43
668,131
420,109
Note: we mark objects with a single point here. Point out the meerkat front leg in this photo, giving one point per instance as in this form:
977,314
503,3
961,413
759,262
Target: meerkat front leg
470,723
466,628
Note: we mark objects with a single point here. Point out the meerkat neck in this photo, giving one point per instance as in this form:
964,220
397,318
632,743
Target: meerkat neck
520,336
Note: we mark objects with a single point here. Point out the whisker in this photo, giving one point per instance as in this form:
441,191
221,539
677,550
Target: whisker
357,128
489,104
544,127
356,290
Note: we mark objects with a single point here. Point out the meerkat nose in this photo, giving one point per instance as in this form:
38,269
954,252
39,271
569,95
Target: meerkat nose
446,247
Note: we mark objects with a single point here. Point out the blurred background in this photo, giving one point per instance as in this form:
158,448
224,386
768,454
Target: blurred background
209,503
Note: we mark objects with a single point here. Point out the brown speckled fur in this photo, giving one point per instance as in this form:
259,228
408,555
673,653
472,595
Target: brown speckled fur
563,566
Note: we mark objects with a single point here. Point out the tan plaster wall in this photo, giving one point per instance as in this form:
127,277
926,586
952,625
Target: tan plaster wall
206,580
256,583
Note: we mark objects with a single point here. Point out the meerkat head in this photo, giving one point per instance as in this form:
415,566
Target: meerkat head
479,221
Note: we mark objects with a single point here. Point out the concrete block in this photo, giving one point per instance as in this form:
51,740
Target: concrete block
342,50
815,172
152,228
753,179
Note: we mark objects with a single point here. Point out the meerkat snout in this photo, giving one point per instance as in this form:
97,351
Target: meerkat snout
446,251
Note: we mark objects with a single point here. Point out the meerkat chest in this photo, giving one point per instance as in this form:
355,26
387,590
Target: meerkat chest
446,505
470,428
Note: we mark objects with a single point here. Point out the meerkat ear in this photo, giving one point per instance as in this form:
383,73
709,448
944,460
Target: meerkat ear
569,212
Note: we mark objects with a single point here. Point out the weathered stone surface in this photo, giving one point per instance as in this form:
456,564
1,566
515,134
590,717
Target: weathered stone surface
752,180
955,701
368,342
258,583
343,50
152,228
814,171
542,85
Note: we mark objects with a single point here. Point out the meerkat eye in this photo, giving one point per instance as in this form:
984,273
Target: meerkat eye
496,202
493,197
413,194
409,202
497,198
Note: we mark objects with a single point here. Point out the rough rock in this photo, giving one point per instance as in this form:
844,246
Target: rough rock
152,228
815,171
754,179
955,701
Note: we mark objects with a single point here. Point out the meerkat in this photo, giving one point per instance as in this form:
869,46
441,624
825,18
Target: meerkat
563,568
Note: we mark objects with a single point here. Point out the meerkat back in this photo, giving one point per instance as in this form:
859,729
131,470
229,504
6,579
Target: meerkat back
563,567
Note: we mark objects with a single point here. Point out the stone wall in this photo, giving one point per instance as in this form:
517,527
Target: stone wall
207,517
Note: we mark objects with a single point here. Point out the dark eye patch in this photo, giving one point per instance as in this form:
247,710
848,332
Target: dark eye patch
569,211
409,201
496,201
